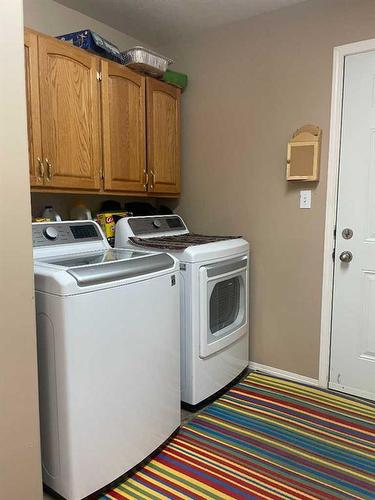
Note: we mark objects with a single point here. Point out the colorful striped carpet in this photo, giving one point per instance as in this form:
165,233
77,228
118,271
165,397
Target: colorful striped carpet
266,438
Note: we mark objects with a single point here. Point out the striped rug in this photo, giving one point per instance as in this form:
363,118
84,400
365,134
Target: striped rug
266,438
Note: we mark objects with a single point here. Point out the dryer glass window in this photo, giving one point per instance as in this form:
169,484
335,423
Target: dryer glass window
224,303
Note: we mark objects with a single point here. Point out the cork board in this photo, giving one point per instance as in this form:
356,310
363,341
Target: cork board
303,157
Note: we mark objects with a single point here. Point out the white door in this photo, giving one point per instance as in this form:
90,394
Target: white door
353,323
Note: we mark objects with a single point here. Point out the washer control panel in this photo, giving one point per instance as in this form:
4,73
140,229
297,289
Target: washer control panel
64,232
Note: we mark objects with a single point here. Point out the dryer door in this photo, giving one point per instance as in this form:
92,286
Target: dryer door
223,304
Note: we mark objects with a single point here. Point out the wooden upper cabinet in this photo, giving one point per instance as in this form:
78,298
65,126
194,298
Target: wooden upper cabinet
96,125
124,132
69,103
163,137
33,110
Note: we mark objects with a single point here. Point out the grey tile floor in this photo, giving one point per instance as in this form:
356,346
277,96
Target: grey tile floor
186,416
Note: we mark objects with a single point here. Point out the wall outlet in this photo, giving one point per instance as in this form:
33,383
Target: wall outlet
305,199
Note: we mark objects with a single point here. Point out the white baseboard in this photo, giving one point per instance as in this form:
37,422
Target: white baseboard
350,391
269,370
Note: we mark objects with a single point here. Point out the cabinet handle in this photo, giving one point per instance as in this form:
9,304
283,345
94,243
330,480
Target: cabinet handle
49,170
145,185
41,168
153,179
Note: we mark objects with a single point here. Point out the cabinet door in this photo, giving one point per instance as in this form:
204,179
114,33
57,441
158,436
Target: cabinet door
124,133
163,137
33,110
69,98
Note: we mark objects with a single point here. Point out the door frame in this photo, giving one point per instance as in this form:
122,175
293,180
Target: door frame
339,54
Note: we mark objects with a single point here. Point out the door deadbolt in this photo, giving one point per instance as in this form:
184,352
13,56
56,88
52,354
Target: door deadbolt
346,257
347,233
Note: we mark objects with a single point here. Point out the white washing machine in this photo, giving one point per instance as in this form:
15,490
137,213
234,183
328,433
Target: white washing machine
108,330
214,274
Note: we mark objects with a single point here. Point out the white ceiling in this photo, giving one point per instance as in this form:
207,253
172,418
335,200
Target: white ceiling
160,21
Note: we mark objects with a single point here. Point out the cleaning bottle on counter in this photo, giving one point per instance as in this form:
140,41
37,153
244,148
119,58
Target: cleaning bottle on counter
80,212
50,213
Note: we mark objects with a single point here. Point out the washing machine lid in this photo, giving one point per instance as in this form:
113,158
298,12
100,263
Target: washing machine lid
90,258
112,265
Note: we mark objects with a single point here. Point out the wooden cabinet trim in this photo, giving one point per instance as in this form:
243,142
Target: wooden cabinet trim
101,192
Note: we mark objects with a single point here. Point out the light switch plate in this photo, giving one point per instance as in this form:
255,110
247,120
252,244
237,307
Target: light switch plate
305,199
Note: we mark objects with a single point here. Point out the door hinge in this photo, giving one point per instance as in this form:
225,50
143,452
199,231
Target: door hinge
99,76
334,232
333,254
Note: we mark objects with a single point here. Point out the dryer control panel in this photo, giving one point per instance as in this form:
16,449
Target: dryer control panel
156,224
58,233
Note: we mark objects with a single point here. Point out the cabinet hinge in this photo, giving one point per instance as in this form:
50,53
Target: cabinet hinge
333,254
99,76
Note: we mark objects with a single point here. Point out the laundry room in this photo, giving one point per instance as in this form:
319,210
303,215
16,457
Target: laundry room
187,255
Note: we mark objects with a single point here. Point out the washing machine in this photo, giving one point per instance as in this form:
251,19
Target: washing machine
214,273
108,334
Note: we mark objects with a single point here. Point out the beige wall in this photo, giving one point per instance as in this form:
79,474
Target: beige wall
20,474
251,85
54,19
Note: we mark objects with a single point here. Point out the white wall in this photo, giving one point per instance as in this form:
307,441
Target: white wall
54,19
20,471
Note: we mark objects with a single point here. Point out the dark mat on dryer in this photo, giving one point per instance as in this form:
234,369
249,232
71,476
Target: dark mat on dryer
180,241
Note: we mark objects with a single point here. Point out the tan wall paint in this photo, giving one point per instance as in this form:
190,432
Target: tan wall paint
54,19
251,85
20,475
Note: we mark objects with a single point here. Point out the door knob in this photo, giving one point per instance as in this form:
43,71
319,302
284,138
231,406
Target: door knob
346,257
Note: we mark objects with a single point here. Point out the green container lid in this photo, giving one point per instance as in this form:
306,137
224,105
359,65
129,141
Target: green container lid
175,78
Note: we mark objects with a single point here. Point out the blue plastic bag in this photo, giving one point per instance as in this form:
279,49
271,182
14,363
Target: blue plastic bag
89,40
